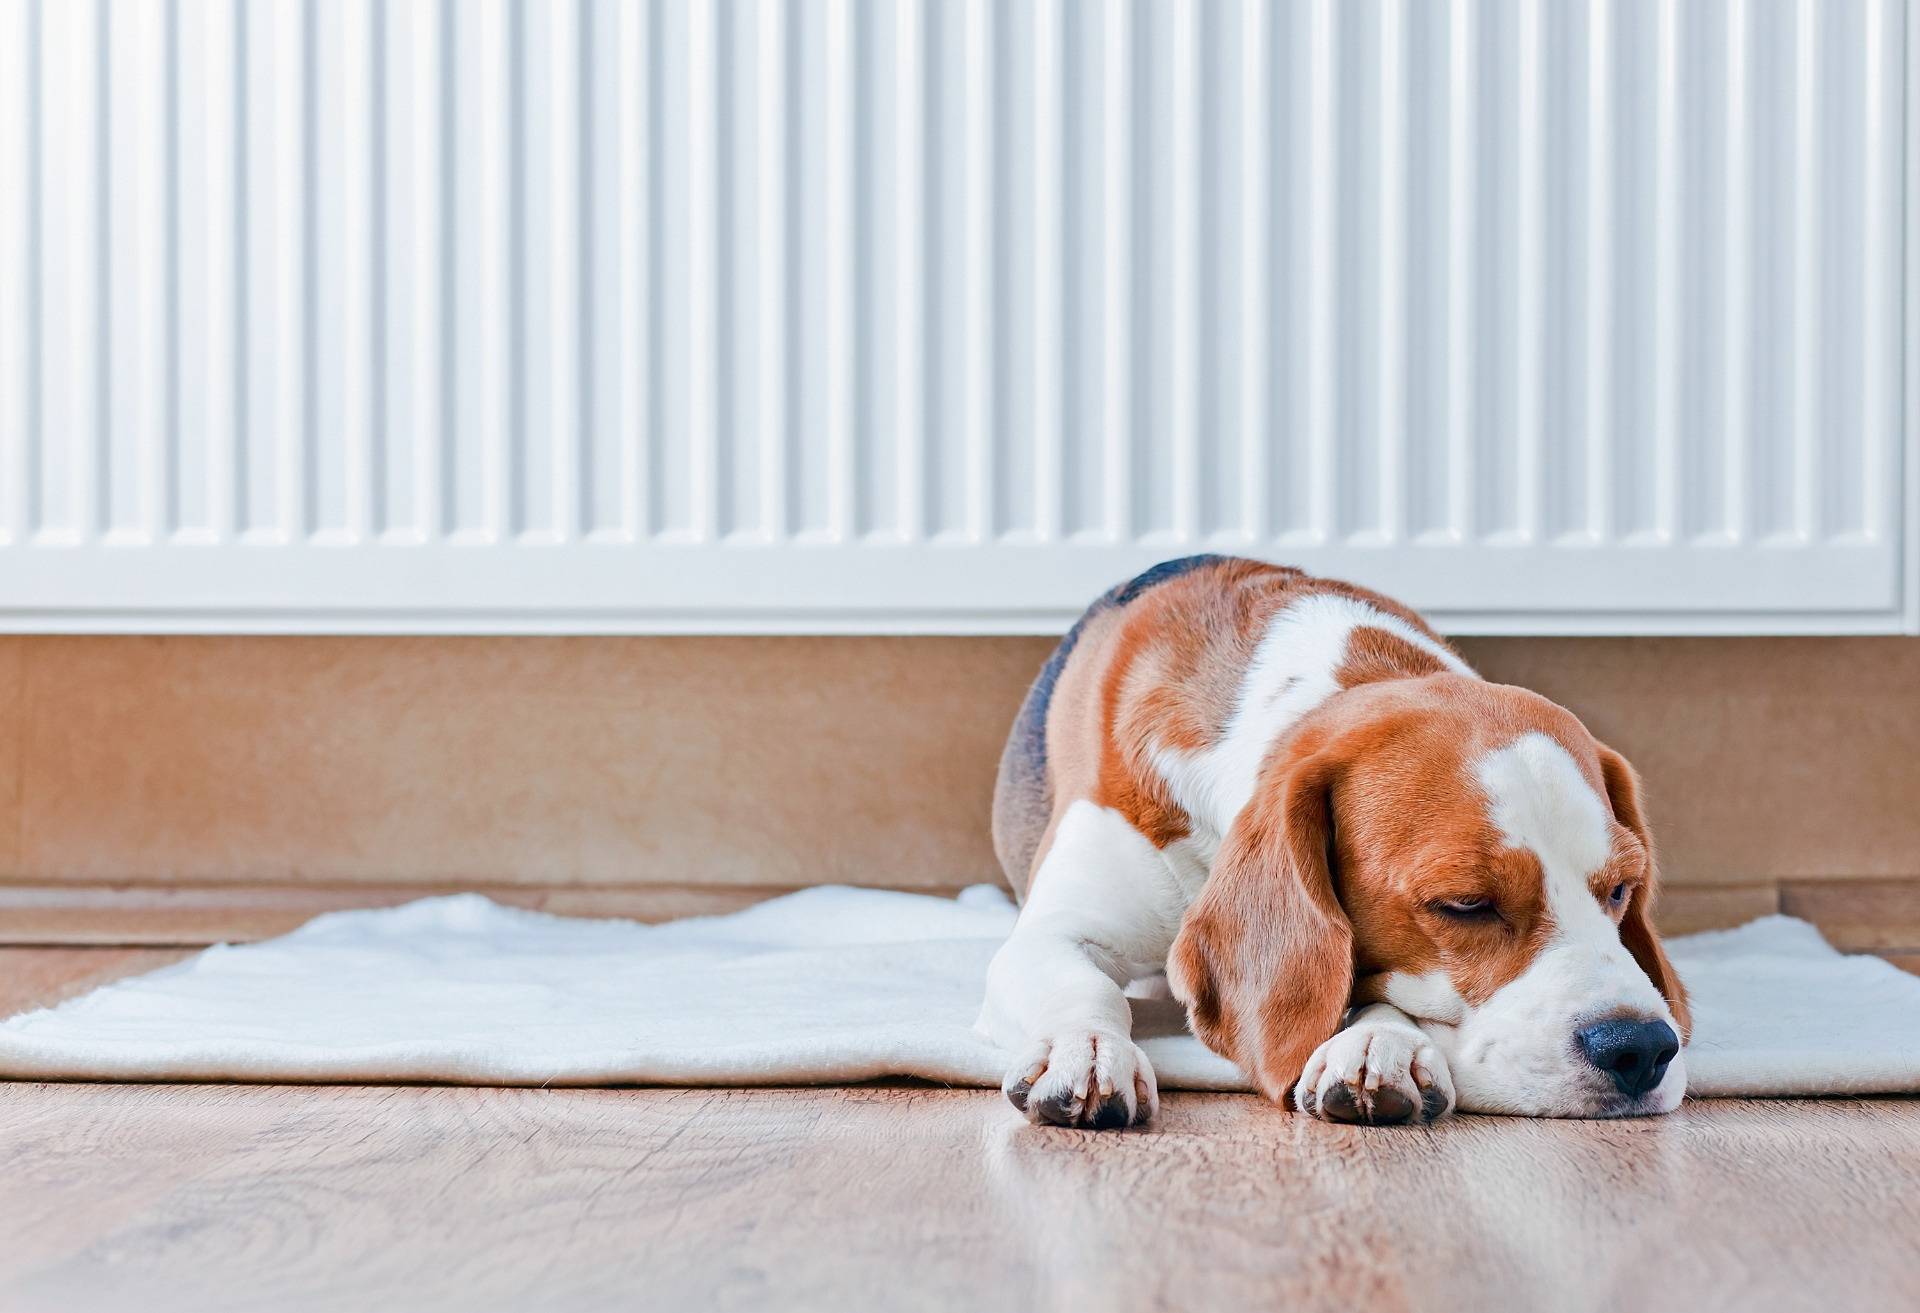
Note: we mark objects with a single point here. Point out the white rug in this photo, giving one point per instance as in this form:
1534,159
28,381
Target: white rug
828,985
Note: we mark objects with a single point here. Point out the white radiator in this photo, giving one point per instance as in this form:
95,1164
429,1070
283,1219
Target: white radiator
944,314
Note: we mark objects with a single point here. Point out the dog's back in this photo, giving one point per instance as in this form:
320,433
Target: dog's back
1210,605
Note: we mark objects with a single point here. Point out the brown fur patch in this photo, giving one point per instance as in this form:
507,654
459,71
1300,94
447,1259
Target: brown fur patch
1174,675
1374,654
1195,638
1264,958
1636,926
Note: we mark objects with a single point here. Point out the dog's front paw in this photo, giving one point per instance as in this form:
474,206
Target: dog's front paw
1099,1080
1376,1074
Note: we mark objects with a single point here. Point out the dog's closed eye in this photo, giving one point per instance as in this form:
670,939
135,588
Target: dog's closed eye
1476,908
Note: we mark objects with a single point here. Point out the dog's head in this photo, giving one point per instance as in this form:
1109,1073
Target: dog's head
1470,854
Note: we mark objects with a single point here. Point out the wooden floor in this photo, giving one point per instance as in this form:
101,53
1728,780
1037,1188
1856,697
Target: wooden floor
212,1197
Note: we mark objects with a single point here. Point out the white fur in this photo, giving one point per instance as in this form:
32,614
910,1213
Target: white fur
1291,673
1515,1053
1429,994
1103,911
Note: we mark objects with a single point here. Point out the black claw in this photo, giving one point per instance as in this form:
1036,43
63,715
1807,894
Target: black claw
1017,1094
1057,1110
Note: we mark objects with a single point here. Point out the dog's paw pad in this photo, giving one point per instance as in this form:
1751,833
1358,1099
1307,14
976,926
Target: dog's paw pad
1094,1080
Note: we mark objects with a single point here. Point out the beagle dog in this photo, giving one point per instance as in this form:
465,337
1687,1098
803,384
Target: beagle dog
1381,885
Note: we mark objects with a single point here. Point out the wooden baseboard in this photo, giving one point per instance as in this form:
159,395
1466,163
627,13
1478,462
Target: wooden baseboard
1856,915
779,762
1865,916
1687,909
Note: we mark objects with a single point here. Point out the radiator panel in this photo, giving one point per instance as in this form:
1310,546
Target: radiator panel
508,314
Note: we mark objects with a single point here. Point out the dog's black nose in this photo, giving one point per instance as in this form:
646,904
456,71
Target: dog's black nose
1634,1053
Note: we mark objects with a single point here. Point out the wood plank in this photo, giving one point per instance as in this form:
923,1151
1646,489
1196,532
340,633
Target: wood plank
780,762
1873,916
295,1198
13,748
40,977
1685,909
500,761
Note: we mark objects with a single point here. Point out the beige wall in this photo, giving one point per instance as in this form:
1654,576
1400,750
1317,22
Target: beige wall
179,788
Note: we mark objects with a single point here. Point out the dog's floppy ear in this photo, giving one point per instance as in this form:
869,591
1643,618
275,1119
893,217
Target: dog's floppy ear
1636,928
1264,957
